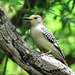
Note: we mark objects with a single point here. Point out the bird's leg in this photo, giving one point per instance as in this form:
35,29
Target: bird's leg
47,53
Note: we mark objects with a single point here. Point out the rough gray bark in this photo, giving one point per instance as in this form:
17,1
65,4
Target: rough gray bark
30,60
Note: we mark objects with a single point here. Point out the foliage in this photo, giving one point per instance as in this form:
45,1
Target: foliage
58,18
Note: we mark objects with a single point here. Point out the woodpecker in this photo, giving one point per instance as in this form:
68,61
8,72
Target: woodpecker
43,38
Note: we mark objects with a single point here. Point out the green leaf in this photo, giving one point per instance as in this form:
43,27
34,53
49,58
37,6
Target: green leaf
73,66
15,2
55,17
5,0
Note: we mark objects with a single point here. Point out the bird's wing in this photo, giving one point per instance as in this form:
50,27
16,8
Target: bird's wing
51,38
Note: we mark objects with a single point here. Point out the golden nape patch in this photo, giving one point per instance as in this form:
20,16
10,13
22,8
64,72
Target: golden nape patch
42,20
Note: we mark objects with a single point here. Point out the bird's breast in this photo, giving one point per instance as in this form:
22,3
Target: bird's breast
41,42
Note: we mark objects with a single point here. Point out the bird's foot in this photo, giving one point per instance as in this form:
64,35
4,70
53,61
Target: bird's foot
46,54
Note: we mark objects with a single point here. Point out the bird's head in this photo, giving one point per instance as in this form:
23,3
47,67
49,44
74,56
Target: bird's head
34,19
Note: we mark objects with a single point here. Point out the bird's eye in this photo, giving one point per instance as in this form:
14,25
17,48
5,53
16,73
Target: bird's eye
35,18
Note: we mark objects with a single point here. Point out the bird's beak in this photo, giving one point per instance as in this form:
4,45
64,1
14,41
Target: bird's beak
28,18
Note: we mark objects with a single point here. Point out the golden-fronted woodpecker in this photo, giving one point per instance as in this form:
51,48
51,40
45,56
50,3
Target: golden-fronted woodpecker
43,38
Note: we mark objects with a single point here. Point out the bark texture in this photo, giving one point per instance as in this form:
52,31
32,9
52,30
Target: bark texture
30,60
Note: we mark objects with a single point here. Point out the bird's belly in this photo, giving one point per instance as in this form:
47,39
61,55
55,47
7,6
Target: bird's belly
42,43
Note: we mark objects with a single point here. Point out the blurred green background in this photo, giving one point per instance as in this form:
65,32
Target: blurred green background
59,18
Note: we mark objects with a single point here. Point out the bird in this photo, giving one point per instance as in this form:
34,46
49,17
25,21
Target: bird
43,38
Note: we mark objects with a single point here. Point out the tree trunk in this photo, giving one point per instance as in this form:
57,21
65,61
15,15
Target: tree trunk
29,60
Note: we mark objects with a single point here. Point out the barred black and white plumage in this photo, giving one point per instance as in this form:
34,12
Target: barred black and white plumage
52,39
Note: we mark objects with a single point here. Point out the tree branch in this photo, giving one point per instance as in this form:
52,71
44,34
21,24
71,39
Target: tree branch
29,60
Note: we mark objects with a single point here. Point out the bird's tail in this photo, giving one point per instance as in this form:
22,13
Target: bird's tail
59,56
62,60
